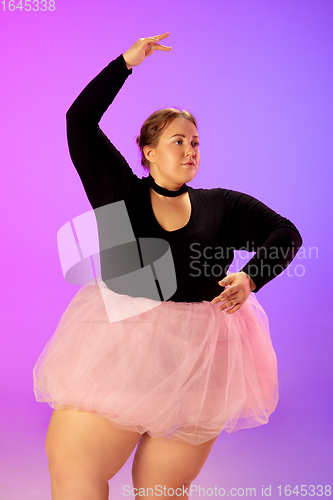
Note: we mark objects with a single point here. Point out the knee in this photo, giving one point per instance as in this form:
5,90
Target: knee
183,491
190,473
63,464
164,480
70,462
82,444
68,466
60,453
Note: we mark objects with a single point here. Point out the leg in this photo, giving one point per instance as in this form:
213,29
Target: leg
168,463
84,452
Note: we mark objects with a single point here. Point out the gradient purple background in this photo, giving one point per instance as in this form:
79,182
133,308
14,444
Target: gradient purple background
257,75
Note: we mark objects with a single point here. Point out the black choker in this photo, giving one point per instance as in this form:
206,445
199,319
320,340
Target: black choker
163,191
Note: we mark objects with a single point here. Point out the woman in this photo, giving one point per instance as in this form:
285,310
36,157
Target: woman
186,367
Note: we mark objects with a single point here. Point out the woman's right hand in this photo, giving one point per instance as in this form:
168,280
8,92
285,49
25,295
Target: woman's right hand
143,48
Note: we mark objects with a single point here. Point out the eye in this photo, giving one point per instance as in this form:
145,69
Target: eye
179,140
196,143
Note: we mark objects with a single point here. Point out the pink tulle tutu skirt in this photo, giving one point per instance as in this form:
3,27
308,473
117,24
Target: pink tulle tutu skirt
182,370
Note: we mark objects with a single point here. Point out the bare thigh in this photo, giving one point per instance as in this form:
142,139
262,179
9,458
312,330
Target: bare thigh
168,463
83,447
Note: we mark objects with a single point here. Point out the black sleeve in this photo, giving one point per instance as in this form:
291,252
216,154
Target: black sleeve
255,227
102,169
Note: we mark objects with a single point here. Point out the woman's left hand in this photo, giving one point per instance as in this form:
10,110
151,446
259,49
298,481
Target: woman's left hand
240,285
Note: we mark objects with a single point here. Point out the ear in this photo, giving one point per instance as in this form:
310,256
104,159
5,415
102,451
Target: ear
149,153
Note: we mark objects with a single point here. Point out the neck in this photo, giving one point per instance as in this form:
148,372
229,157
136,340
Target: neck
163,191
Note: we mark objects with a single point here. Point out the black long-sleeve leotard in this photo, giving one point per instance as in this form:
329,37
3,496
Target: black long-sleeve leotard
221,219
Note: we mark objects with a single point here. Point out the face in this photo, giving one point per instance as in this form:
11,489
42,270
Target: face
176,158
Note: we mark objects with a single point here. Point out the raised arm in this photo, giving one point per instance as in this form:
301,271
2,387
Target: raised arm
101,167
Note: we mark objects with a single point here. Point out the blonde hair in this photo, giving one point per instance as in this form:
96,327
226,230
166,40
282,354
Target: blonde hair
153,127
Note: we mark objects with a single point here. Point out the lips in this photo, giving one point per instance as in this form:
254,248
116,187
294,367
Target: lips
189,163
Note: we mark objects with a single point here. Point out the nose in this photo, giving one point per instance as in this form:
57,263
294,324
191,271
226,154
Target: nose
190,152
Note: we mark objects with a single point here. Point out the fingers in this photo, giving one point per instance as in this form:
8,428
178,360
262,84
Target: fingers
235,293
232,299
152,40
234,309
228,294
143,48
228,279
160,47
231,306
160,37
